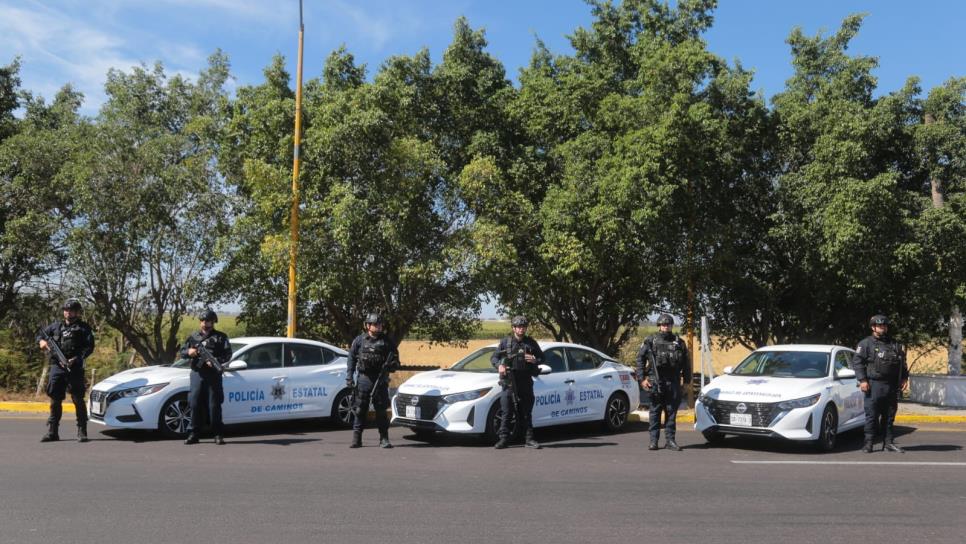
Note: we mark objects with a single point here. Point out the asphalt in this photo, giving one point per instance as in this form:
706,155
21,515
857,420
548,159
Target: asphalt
298,482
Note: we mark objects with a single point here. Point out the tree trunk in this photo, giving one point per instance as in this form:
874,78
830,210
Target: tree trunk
955,342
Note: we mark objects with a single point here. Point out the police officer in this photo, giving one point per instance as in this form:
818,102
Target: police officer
517,359
205,377
881,371
374,355
663,365
76,340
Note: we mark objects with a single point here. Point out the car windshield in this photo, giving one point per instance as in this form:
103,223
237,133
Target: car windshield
478,361
784,364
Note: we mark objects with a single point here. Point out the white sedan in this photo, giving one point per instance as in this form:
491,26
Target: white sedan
267,379
794,392
576,384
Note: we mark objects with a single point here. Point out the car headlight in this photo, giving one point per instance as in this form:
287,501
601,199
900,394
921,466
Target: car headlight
469,395
136,391
804,402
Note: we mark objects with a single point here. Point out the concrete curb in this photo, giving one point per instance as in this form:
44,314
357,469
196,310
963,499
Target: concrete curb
684,416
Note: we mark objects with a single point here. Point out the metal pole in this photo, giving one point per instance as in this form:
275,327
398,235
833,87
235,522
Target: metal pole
293,248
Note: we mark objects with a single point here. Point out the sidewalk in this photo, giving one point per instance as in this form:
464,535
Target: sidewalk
909,412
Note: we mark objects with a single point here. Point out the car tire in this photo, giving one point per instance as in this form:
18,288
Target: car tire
828,430
615,412
493,420
713,437
174,417
342,410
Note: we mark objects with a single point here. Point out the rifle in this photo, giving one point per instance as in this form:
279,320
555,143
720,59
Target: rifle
55,349
510,378
383,374
207,356
658,392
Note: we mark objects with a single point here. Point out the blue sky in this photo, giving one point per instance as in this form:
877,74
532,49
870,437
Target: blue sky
76,41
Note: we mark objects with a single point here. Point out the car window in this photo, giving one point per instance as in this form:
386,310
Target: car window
581,359
303,355
842,360
478,361
328,356
237,346
263,356
554,358
784,364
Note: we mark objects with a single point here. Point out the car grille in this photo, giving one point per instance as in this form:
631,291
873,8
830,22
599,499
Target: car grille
428,405
98,396
762,413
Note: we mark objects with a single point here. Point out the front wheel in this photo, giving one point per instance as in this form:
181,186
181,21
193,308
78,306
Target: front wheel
828,432
342,409
616,412
175,417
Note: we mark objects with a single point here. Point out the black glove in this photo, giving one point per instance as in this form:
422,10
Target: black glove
349,383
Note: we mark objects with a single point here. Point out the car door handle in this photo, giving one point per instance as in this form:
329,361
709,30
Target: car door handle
608,377
568,381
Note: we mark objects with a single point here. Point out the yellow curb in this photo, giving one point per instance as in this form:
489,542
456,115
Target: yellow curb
33,407
688,417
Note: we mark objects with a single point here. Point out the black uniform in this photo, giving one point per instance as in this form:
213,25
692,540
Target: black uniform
369,355
519,374
76,340
881,362
663,359
206,380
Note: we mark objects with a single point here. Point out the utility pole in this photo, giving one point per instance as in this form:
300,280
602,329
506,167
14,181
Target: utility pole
293,248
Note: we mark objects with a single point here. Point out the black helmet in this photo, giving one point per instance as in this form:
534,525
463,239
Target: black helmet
665,319
374,319
879,319
72,304
208,315
519,321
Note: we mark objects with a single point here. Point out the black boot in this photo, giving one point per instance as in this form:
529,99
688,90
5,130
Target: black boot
384,441
356,439
82,432
192,439
652,446
672,445
530,442
52,435
501,444
219,440
893,447
867,448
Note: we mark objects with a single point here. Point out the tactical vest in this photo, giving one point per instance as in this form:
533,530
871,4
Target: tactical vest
886,361
373,353
71,338
667,353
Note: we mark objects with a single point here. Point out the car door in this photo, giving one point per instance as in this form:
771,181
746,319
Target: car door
254,393
590,384
313,384
847,393
550,390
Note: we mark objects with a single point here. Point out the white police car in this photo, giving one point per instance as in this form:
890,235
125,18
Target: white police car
794,392
576,384
267,379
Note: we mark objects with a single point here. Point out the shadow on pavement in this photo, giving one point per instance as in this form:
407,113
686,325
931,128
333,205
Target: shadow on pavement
295,427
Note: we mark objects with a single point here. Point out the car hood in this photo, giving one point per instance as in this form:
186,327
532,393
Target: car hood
445,382
143,376
761,388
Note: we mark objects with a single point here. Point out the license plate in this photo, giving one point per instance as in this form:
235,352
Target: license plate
413,412
741,419
97,408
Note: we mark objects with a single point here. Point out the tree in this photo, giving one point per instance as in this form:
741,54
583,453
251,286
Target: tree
150,207
636,152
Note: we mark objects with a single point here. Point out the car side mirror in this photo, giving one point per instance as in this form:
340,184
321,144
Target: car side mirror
845,373
545,369
237,365
728,369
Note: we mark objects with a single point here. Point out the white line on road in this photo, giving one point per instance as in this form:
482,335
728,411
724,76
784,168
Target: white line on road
909,463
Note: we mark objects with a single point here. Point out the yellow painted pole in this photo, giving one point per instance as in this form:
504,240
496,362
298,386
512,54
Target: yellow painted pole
293,248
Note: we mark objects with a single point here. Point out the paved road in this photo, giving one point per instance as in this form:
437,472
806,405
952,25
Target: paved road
300,482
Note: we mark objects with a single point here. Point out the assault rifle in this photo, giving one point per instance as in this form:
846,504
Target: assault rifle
55,349
208,357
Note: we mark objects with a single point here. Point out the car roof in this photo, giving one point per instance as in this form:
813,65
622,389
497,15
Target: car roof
265,339
822,348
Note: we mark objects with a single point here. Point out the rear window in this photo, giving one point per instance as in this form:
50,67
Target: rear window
784,364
